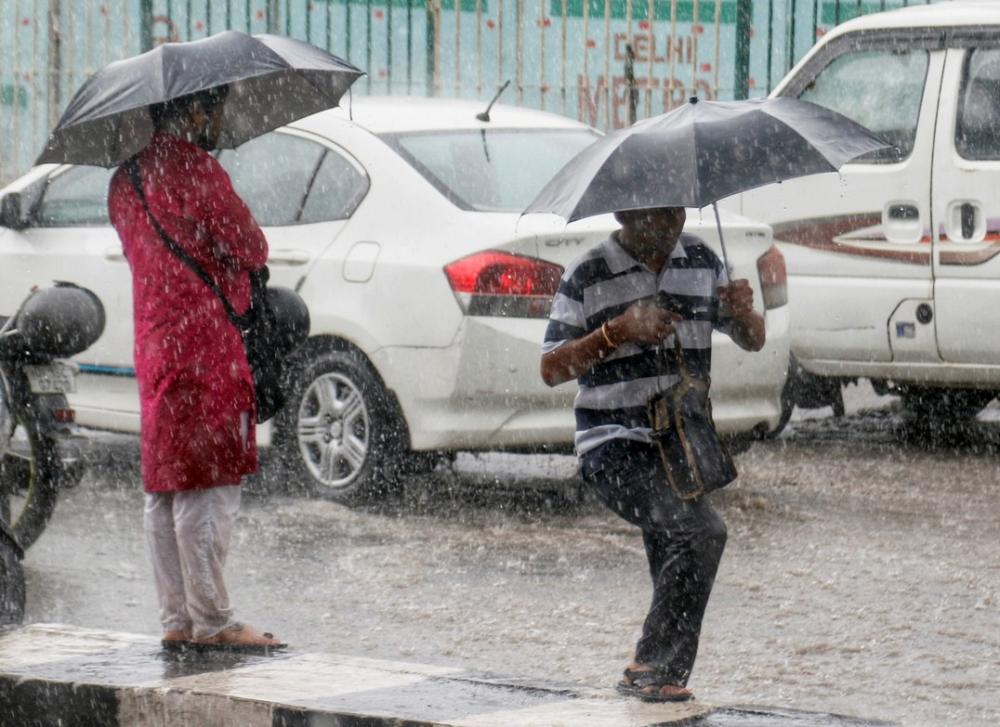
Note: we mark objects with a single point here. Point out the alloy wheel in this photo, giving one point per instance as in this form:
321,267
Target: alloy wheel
334,430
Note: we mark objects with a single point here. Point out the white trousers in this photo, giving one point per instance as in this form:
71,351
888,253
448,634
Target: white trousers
188,536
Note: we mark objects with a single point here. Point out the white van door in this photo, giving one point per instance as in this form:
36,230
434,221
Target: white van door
967,206
858,244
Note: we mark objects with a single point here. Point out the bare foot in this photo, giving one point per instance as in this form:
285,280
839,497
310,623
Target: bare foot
240,636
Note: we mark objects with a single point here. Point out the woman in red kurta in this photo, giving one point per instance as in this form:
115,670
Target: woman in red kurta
193,374
195,387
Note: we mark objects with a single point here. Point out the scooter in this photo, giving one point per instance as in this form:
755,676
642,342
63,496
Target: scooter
39,452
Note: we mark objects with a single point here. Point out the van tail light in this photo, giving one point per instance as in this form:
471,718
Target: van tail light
773,278
494,283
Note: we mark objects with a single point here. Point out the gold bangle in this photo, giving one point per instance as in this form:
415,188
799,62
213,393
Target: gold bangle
607,337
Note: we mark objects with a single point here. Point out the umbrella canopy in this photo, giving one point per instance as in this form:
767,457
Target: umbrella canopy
272,81
701,152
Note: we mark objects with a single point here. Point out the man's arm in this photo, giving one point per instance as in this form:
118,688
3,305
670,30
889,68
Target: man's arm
641,323
748,325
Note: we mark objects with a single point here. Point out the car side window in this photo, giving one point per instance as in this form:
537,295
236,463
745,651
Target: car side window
78,196
880,89
272,174
336,190
977,131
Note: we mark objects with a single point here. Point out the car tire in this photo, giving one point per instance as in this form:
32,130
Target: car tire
12,590
737,444
937,410
809,391
340,434
787,409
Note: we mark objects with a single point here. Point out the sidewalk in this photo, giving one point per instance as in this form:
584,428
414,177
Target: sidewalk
57,674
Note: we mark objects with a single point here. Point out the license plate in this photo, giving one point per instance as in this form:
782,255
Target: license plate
54,378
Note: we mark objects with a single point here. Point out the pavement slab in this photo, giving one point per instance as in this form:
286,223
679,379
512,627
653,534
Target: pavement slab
56,674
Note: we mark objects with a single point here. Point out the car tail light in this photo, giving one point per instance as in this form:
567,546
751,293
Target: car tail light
64,416
773,278
494,283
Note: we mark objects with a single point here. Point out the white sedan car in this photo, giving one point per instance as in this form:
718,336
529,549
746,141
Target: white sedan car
400,226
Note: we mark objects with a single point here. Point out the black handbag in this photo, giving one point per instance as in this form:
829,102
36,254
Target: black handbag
266,346
694,458
266,341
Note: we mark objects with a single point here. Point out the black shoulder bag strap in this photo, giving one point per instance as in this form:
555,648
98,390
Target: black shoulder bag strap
240,321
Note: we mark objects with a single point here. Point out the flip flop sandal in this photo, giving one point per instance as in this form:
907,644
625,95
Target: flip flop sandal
235,648
261,649
636,683
175,646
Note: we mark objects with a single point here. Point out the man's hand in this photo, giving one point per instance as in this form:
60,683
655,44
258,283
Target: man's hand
748,325
643,322
737,298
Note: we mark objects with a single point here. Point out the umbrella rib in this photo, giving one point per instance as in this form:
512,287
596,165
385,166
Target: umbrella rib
693,150
298,71
612,146
321,91
124,109
785,124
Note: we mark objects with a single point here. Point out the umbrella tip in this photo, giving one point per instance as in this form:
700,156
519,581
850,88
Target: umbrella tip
693,99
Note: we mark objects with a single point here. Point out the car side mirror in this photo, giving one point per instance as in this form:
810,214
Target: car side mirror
11,212
18,205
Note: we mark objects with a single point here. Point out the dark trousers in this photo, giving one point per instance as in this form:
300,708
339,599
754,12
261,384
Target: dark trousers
684,541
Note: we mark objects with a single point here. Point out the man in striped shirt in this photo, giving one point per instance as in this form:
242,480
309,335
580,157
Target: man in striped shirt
615,305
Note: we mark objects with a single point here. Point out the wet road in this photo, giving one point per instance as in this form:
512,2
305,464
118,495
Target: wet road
862,574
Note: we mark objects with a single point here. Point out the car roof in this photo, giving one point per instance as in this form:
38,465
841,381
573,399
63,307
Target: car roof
947,14
386,115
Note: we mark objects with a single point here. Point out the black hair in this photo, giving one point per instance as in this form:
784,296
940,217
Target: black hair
629,215
163,114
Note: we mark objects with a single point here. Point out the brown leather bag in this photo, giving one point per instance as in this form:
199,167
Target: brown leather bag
694,458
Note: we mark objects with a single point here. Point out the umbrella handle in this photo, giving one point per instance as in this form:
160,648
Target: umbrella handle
722,240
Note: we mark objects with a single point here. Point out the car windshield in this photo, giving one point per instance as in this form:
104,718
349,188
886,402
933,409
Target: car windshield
499,170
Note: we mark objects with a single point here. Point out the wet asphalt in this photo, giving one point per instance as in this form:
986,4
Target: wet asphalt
861,576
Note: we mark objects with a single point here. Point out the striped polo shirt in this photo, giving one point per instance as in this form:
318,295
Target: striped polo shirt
602,284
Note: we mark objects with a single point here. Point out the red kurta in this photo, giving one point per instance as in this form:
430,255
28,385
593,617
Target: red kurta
194,380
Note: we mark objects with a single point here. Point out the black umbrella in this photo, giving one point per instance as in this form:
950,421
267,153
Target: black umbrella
701,152
272,81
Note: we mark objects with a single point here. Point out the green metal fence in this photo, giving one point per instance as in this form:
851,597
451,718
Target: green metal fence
567,56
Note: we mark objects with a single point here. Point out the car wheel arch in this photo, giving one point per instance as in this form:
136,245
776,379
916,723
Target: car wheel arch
318,346
385,434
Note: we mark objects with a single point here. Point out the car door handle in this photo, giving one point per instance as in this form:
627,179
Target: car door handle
964,221
901,222
289,257
968,215
904,212
114,253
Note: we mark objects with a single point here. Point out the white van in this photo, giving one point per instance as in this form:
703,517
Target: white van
894,266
